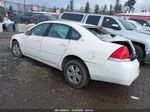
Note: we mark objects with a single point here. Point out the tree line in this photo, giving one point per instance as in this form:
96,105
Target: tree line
128,6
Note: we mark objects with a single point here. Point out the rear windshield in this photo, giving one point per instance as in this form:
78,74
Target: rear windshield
73,17
95,31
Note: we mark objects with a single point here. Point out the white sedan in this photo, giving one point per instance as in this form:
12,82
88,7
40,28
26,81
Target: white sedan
81,51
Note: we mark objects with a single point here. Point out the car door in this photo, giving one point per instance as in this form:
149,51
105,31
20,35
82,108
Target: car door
55,44
32,41
107,24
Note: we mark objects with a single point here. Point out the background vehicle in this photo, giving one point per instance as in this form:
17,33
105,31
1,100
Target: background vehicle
26,17
116,26
65,46
14,16
136,25
37,18
55,15
139,27
141,21
2,13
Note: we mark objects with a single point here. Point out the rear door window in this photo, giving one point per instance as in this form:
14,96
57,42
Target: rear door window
72,17
95,31
94,20
59,31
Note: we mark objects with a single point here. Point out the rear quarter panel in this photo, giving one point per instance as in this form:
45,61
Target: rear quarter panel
90,49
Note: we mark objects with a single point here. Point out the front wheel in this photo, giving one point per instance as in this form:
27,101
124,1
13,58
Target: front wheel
16,49
76,73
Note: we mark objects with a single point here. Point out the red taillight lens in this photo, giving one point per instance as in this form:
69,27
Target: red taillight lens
121,53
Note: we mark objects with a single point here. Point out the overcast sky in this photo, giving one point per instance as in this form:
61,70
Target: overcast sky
79,3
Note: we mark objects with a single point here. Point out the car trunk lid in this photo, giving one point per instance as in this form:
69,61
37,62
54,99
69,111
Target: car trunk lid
121,41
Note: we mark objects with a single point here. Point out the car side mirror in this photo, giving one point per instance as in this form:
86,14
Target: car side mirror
28,33
115,27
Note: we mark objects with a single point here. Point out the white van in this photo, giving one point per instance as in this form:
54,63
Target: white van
116,26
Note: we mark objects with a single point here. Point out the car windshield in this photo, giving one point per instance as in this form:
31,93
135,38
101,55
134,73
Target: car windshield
138,24
127,25
134,25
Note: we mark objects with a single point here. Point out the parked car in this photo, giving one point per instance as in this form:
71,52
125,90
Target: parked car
1,17
37,18
82,52
143,22
55,15
141,18
116,26
139,27
26,17
14,16
2,13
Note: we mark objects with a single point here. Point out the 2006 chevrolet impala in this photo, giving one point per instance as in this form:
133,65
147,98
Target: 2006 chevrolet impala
81,51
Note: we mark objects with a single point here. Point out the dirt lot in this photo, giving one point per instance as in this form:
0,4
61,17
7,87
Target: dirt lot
26,83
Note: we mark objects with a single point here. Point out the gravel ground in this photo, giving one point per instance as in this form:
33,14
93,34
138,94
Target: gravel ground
29,84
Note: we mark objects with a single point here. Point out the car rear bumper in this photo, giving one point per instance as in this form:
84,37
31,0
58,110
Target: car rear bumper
123,73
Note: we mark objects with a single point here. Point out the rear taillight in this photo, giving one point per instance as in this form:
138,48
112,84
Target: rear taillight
121,54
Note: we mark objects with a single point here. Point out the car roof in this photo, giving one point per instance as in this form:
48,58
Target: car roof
72,23
69,23
77,24
74,13
90,14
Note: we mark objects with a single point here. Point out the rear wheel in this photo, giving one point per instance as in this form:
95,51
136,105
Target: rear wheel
16,49
76,73
139,52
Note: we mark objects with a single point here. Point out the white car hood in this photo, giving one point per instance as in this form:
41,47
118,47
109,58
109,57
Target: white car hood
134,35
144,32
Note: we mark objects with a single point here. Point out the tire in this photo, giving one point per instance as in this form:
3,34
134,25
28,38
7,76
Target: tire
139,52
76,73
16,50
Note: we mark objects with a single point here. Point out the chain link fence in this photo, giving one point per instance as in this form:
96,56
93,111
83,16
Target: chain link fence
16,11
